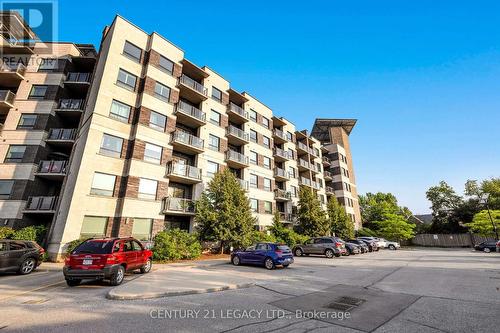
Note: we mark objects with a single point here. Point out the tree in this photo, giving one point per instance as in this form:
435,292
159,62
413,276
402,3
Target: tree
340,224
285,235
312,220
223,212
395,227
489,186
481,223
444,203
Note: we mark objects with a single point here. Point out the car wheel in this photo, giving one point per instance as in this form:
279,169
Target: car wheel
235,260
286,266
298,252
269,263
27,266
487,250
392,247
147,267
329,253
73,283
347,253
117,277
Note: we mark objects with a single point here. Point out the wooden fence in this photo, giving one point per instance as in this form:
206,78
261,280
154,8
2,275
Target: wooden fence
449,240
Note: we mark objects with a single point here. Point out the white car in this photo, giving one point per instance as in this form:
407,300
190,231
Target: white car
381,243
391,245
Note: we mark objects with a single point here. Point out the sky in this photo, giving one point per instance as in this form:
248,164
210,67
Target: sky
422,77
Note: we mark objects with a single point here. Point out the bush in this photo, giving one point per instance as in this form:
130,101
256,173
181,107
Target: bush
31,233
288,236
6,232
365,232
176,244
261,236
72,245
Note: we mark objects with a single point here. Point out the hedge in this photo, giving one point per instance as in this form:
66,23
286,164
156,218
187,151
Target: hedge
176,244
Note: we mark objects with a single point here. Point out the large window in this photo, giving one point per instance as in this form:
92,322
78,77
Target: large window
152,153
142,228
253,135
268,207
6,188
290,153
213,142
126,79
253,157
111,145
291,172
15,154
132,51
266,141
166,65
147,188
120,111
293,189
254,205
37,92
212,168
267,162
216,94
253,181
162,91
265,122
253,115
267,184
27,121
103,184
157,121
289,136
93,226
215,117
48,65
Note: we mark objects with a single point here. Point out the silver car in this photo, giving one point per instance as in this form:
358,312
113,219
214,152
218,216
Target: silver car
327,246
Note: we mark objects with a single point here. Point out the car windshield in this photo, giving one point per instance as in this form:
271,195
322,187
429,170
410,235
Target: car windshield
283,248
94,247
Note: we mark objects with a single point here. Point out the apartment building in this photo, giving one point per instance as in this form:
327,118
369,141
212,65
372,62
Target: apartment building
155,129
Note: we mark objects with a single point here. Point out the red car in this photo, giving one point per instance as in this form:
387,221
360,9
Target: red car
106,258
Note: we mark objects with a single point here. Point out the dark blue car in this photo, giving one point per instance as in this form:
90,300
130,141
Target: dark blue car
269,255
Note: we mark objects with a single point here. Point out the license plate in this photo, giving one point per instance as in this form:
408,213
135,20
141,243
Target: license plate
87,261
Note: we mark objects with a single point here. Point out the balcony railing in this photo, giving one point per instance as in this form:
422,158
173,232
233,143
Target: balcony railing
187,139
278,172
243,184
17,68
329,189
326,160
282,153
183,170
237,157
179,205
305,181
71,104
237,109
63,134
280,134
305,164
327,174
42,203
78,77
288,217
187,81
282,194
235,131
316,185
7,96
52,167
190,110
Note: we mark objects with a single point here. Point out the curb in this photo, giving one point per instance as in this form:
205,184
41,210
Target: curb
113,296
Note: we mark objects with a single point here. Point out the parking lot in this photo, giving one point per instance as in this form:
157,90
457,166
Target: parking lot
416,290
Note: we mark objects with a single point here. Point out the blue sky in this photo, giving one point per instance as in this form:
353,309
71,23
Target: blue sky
421,77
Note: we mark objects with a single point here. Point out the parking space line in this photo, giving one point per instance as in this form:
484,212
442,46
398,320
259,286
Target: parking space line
32,290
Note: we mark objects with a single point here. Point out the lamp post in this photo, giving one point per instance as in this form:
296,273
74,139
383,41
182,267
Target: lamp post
484,198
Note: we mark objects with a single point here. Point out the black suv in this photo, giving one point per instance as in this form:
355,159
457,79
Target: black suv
19,256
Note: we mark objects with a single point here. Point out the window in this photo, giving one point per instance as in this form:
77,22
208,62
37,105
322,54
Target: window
27,121
212,168
322,198
111,145
293,189
267,162
290,153
6,188
166,65
15,154
253,157
253,135
289,136
254,205
291,172
147,188
265,122
48,65
120,111
216,94
253,115
213,142
215,117
126,79
253,181
157,121
93,226
318,166
132,51
267,184
37,92
316,151
141,229
162,91
268,207
266,142
103,184
152,153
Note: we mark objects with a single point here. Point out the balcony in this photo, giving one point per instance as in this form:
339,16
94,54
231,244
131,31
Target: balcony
178,206
282,195
281,175
279,136
11,75
302,148
192,90
328,175
77,81
7,98
187,143
61,136
305,181
236,114
189,115
185,174
288,217
41,205
329,190
70,107
304,165
236,136
236,160
55,170
326,161
243,184
280,155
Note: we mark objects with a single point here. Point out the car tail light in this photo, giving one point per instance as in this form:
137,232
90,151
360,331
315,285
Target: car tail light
67,261
42,251
338,244
279,253
111,259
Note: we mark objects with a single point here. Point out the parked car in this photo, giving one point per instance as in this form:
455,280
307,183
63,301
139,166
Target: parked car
372,244
390,244
328,246
380,244
352,248
20,256
106,258
488,246
362,245
498,246
269,255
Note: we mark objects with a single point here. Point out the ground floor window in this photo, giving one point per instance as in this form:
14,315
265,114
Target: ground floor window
142,228
93,226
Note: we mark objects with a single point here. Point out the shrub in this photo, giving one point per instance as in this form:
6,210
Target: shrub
261,236
365,232
176,244
72,245
287,236
31,233
6,232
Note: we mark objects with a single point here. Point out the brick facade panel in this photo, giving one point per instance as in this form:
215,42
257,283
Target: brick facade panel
138,151
166,155
132,187
149,86
161,190
177,70
224,121
144,116
223,145
158,225
225,98
126,225
174,96
171,124
154,58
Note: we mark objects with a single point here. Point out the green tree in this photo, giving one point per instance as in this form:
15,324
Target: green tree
312,219
488,186
395,227
285,235
481,222
340,224
223,212
444,203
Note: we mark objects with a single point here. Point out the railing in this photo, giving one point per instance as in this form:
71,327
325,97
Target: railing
78,77
288,217
232,130
71,104
278,172
183,170
42,203
279,193
65,134
186,80
327,174
237,157
7,96
316,185
237,109
280,134
188,139
329,189
243,184
54,167
18,68
302,146
305,164
305,181
190,110
181,205
326,160
282,153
